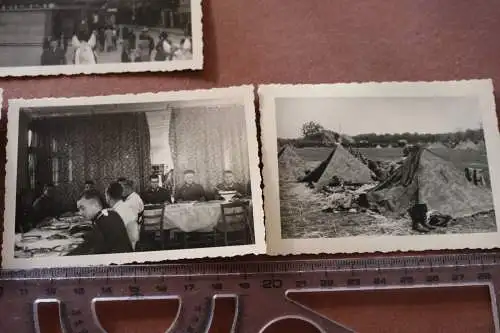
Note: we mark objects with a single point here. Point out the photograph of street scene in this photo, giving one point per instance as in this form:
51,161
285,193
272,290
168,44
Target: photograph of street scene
382,166
65,33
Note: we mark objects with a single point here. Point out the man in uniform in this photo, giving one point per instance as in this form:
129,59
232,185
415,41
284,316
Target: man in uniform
190,191
108,234
229,184
156,194
90,186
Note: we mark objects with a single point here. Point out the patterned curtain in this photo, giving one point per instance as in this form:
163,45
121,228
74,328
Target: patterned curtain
99,148
210,140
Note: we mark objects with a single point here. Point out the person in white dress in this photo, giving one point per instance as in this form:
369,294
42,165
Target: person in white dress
84,48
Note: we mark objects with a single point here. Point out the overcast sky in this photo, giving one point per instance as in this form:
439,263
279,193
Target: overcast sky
378,115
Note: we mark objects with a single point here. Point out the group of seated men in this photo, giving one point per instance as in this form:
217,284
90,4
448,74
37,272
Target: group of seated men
190,190
116,215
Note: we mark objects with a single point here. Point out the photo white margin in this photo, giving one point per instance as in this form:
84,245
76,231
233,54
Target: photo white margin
196,63
238,94
483,89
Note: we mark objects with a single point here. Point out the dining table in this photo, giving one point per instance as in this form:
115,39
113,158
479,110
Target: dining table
56,237
193,216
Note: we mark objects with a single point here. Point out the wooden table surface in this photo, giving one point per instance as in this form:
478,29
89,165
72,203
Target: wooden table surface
323,41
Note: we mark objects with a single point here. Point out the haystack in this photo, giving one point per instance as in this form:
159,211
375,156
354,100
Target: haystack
291,166
467,145
425,177
341,164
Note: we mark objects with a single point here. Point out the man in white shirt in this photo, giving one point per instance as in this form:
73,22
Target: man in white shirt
114,194
131,198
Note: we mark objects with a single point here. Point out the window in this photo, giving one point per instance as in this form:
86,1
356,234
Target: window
158,170
55,170
32,139
32,170
70,165
53,145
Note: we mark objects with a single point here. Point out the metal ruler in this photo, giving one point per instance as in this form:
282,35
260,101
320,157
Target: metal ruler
259,289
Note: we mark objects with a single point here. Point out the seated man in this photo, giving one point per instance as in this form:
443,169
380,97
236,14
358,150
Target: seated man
108,234
131,198
190,191
45,207
90,185
229,184
156,194
114,194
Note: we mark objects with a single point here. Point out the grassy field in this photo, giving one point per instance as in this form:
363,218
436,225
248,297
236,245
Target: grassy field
302,212
302,216
461,158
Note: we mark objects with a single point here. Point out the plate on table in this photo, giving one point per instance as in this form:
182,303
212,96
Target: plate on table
56,225
57,236
80,228
73,219
30,238
71,247
22,254
79,234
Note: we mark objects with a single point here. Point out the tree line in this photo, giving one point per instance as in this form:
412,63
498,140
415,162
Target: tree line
451,138
315,135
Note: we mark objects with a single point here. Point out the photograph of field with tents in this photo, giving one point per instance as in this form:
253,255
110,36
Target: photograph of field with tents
398,166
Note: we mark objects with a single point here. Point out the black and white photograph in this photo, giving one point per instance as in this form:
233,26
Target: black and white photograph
39,37
132,178
381,165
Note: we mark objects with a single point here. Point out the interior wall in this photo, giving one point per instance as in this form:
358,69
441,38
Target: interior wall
318,41
100,147
210,140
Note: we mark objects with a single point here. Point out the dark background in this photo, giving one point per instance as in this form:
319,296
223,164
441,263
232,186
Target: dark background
326,41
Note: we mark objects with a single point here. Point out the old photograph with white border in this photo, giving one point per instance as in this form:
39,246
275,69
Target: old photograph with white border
379,167
132,178
99,36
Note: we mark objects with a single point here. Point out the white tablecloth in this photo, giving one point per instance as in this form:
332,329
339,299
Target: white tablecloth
38,243
191,217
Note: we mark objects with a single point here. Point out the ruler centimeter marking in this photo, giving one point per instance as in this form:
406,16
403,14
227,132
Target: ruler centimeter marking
260,290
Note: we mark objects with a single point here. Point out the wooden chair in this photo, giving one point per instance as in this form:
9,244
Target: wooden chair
152,222
235,217
197,239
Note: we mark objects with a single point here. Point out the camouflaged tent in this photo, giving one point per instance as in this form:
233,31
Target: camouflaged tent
290,165
340,163
425,177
